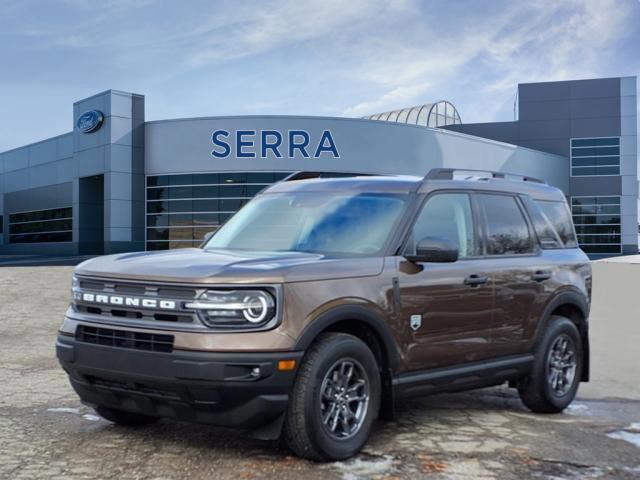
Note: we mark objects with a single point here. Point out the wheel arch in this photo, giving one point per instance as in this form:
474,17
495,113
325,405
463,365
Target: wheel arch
372,329
574,306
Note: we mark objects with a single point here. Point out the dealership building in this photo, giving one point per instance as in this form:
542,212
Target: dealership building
117,183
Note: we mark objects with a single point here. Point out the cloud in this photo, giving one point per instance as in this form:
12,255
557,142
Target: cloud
537,41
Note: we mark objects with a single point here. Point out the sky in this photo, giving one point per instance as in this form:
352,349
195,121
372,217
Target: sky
350,58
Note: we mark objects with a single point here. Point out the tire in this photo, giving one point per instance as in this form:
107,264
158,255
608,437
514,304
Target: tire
305,432
537,390
125,419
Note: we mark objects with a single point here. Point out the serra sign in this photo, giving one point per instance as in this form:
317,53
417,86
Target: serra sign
273,143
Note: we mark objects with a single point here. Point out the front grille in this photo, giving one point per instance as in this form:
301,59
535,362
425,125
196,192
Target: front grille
125,339
177,294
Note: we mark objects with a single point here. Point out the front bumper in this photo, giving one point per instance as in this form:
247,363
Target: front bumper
216,388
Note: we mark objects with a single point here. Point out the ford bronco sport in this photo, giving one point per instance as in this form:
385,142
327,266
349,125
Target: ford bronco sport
324,300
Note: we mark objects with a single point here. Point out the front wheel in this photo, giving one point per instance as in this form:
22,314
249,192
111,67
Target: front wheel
335,399
557,369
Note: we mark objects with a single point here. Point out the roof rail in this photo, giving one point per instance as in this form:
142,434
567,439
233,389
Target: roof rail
304,175
449,173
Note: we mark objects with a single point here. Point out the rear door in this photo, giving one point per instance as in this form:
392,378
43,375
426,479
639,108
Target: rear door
517,269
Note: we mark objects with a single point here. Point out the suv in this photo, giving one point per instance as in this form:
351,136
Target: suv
325,300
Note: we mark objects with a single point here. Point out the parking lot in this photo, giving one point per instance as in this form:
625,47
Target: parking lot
46,433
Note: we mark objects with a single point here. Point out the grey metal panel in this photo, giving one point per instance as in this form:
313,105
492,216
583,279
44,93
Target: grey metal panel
595,107
558,146
41,175
500,131
628,86
629,184
594,88
542,110
64,194
65,145
65,170
595,127
120,186
17,180
544,129
594,186
120,105
90,162
118,215
43,152
535,92
121,131
16,159
117,234
629,125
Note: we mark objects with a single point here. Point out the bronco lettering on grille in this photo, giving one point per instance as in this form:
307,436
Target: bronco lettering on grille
129,301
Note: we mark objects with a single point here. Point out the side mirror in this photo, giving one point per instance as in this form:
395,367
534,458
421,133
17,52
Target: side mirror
206,238
436,250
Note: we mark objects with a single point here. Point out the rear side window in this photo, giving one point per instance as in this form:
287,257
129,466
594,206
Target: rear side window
558,216
507,230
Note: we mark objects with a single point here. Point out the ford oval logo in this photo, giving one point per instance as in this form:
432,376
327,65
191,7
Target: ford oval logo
90,121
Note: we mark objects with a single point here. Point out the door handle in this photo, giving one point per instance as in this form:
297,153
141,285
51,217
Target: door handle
541,275
475,279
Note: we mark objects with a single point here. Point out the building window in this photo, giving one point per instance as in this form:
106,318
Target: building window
41,226
597,222
595,156
181,209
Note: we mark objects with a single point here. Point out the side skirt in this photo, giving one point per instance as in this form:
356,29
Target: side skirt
462,377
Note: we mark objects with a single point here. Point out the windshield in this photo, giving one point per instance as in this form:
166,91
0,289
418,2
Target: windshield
317,222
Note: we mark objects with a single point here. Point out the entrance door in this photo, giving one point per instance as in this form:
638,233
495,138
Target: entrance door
91,215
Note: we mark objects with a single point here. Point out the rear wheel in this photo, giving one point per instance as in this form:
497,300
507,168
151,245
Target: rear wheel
554,379
125,419
335,399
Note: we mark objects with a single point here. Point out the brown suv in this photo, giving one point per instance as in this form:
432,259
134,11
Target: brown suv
324,300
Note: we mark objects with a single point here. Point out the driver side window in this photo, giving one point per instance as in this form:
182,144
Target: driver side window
445,215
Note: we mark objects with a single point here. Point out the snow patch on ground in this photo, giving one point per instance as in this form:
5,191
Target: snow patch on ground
75,411
629,434
577,409
64,410
365,467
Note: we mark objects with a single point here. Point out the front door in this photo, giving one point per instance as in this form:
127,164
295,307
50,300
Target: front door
447,306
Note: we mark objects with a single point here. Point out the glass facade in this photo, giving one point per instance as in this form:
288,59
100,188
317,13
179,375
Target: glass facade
182,209
597,222
595,156
41,226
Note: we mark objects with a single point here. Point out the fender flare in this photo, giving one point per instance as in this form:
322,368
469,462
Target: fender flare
578,300
358,314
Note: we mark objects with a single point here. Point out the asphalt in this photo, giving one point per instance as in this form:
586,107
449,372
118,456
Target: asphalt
45,433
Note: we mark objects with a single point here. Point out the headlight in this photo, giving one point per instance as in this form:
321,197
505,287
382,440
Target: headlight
236,308
75,292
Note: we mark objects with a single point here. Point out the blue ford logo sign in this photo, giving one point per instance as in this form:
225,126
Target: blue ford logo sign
90,121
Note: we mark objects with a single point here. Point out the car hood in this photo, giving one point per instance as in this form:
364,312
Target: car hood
193,265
